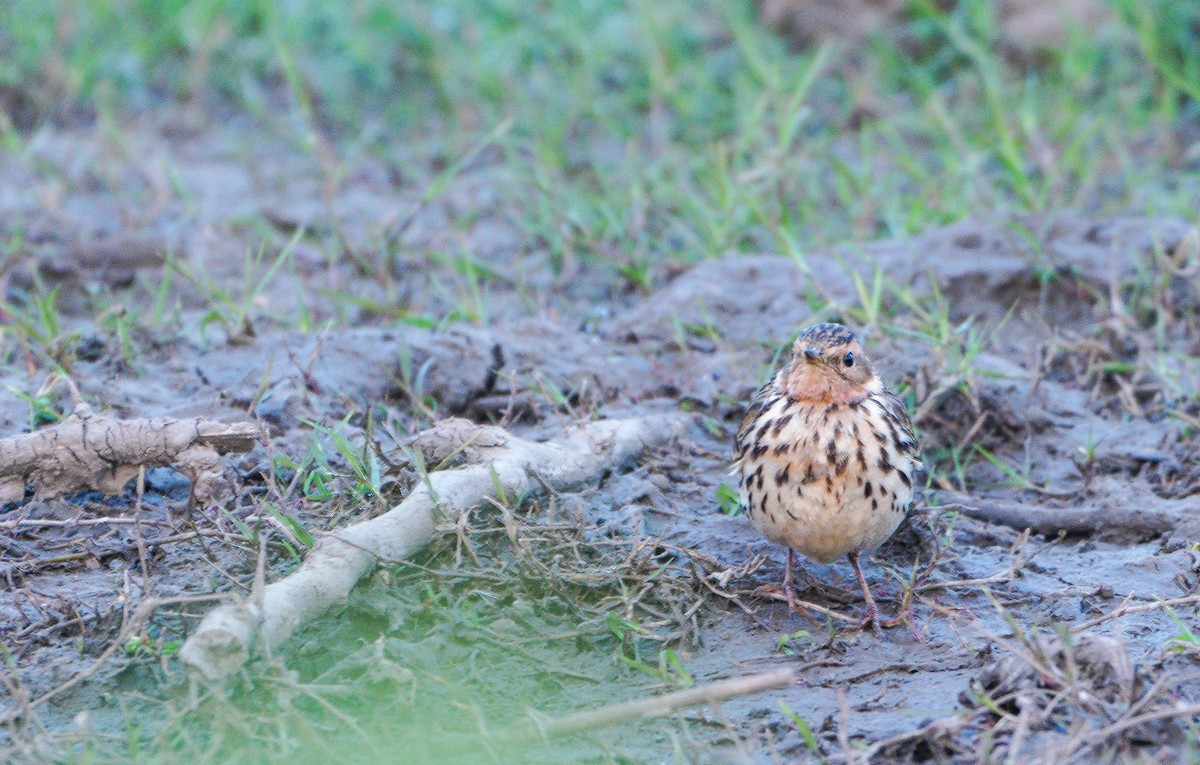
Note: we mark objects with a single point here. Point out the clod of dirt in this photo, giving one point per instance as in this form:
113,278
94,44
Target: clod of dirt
113,260
808,21
91,451
1030,26
1026,27
1048,682
19,107
1095,664
455,368
721,294
457,438
983,269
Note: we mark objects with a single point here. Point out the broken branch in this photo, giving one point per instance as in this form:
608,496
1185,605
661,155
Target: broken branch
92,451
497,462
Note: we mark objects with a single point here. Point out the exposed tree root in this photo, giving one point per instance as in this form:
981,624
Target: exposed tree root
1085,520
497,462
92,451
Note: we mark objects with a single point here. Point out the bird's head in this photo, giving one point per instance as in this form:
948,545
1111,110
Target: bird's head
828,366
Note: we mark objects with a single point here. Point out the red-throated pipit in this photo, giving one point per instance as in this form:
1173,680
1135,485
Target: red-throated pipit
826,456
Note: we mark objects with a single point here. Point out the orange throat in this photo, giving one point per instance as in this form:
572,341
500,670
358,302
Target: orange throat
814,384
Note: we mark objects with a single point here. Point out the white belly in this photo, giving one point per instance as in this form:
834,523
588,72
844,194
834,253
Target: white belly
824,485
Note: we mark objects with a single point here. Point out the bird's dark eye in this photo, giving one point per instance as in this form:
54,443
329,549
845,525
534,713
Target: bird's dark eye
848,359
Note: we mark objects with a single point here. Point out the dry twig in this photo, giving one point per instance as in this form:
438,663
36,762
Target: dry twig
644,709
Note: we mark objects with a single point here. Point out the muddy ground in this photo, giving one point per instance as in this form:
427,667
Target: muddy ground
1050,363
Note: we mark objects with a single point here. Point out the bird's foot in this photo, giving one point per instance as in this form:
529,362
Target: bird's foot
878,622
784,593
871,619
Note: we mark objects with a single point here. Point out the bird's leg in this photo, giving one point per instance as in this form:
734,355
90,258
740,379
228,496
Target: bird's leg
872,615
789,589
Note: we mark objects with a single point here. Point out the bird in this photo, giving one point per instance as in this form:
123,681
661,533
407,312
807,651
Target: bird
826,457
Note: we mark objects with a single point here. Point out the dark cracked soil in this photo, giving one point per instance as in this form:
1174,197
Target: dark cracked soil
1050,363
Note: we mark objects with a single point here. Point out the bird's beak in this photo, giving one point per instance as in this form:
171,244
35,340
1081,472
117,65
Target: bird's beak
812,355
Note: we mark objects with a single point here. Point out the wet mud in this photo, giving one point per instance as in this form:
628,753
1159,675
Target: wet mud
1050,364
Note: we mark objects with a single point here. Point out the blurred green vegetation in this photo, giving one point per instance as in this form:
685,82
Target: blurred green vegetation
666,129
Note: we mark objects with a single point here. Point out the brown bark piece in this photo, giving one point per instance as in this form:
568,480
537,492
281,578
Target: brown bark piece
92,451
